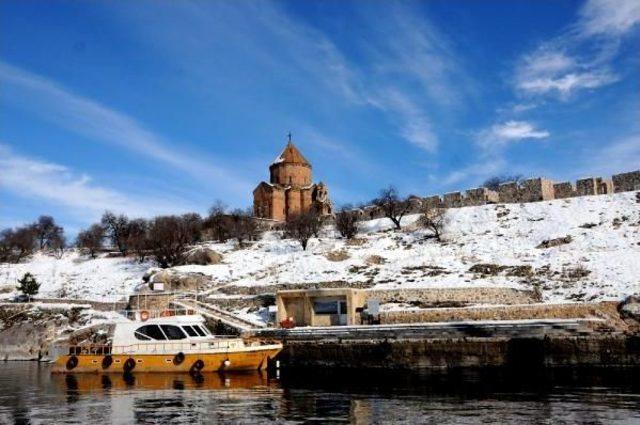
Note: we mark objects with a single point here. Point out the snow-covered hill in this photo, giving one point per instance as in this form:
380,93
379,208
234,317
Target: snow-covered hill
602,260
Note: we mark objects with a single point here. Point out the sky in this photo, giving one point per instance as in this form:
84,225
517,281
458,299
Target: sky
163,107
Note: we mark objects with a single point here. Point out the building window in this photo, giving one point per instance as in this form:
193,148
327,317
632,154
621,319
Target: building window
325,307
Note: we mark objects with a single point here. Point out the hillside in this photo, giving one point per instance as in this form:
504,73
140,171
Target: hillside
600,262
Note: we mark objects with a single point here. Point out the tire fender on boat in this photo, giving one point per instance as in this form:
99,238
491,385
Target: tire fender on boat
129,365
197,366
106,361
178,358
144,315
72,363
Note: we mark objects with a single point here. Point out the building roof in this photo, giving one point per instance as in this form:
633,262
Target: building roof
291,155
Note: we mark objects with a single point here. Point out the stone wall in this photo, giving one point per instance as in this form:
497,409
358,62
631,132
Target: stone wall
452,200
586,187
509,192
564,190
530,190
605,310
480,196
626,182
486,295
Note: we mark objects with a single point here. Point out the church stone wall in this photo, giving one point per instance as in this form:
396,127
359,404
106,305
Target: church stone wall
278,205
290,174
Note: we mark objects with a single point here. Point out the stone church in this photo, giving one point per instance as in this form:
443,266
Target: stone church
290,190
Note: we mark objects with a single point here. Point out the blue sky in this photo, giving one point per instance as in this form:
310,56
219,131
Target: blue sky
154,107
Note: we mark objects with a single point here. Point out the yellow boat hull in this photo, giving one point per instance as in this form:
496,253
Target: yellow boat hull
255,359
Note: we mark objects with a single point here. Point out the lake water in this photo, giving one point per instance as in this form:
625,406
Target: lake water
29,394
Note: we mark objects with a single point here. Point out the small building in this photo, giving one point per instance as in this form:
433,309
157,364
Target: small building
320,307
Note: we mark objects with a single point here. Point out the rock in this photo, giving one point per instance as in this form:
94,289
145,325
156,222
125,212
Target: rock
356,242
375,259
630,308
520,271
202,256
174,280
487,269
549,243
339,255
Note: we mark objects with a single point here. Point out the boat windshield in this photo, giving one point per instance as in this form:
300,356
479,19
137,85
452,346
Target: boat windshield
149,332
173,332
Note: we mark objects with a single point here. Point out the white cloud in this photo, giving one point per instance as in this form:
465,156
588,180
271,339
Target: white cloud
416,62
581,58
568,83
608,17
100,123
56,184
511,131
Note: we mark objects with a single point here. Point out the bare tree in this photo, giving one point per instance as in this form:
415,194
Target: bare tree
434,218
116,229
138,238
168,238
393,207
243,226
47,231
57,243
317,220
22,242
347,222
91,239
300,227
493,183
218,222
192,223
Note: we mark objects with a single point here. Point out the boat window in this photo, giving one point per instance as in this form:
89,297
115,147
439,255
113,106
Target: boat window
173,332
190,330
152,331
141,337
200,331
205,330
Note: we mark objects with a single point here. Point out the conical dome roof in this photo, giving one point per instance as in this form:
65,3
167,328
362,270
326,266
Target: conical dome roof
291,155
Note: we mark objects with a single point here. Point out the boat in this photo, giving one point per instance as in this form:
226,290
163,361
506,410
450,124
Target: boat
165,343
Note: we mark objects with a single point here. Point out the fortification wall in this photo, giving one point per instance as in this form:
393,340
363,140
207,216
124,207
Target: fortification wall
626,182
529,190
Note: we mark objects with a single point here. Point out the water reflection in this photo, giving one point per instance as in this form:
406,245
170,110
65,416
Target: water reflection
32,395
89,383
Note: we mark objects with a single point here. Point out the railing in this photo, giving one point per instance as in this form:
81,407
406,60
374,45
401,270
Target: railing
224,343
154,314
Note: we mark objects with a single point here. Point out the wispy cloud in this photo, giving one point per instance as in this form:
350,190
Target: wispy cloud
608,17
99,123
400,76
49,182
580,58
499,135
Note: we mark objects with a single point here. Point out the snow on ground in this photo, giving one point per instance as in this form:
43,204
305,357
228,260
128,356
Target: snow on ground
605,246
76,276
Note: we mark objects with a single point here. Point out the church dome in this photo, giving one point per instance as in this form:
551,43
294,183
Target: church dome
291,155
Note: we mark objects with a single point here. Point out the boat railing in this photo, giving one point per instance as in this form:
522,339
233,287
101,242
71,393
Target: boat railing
219,343
144,314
